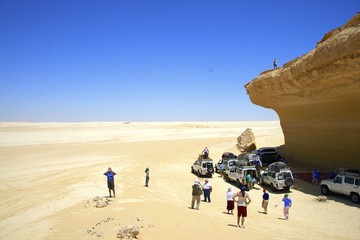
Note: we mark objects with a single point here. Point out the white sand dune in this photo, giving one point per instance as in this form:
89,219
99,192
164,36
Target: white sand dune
48,171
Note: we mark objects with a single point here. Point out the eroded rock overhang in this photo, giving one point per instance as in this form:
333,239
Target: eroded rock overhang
317,98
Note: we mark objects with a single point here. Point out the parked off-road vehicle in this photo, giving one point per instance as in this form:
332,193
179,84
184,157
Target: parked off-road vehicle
239,171
268,155
203,167
224,160
346,183
278,175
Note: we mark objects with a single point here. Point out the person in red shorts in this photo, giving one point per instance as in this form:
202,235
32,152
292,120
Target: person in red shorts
243,199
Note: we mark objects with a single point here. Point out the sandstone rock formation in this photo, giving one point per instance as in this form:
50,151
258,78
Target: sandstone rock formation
317,98
246,141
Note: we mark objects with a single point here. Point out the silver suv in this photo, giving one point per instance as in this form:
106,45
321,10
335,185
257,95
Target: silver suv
347,183
203,167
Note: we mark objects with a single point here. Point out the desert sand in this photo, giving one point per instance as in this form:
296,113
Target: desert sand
50,172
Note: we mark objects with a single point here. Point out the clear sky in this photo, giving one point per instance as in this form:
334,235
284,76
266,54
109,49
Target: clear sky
150,60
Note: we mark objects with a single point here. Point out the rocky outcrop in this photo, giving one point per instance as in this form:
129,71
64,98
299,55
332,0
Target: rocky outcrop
246,141
317,98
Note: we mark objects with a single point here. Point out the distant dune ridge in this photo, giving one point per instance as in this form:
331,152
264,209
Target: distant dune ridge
317,98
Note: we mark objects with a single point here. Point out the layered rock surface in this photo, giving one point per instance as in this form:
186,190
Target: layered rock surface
317,98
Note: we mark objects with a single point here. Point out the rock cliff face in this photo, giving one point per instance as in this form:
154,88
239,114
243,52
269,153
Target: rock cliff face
317,98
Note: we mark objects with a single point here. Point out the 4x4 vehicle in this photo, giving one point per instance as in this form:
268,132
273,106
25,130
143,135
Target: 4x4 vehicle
268,155
203,167
347,183
251,158
225,160
278,175
239,171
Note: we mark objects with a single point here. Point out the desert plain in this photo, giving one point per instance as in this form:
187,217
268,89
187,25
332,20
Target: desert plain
51,172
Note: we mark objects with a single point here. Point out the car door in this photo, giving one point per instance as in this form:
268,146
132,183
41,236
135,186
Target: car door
348,185
336,187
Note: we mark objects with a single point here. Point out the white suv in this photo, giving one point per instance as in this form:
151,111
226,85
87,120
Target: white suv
203,167
278,175
346,183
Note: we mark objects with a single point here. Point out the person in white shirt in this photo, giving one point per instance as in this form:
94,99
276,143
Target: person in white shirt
230,201
207,190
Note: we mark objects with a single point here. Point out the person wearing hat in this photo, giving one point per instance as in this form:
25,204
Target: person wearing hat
243,199
265,201
287,204
196,193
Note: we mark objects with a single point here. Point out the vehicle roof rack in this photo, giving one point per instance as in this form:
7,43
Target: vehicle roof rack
351,172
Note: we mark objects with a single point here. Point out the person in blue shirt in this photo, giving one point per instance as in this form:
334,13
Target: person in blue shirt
287,204
265,201
110,180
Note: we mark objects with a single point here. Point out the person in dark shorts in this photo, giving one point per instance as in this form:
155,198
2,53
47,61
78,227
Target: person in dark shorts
265,201
243,199
110,180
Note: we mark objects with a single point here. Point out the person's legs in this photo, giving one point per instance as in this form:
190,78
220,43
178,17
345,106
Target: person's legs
286,212
109,192
197,202
147,181
192,201
238,216
243,215
206,195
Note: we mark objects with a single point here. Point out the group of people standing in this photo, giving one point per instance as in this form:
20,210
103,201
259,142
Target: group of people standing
198,190
241,198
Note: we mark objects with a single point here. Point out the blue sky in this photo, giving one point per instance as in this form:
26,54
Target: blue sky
150,60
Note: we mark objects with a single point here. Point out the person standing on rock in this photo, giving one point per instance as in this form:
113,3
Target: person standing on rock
243,199
110,180
147,178
275,63
196,193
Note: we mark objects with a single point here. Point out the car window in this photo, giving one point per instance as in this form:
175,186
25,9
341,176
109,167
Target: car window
287,175
273,174
349,180
357,182
338,180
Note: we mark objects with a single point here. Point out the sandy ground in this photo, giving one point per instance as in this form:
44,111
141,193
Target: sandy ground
49,171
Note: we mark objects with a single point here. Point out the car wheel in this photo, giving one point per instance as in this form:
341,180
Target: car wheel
324,190
289,182
354,197
272,187
210,170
